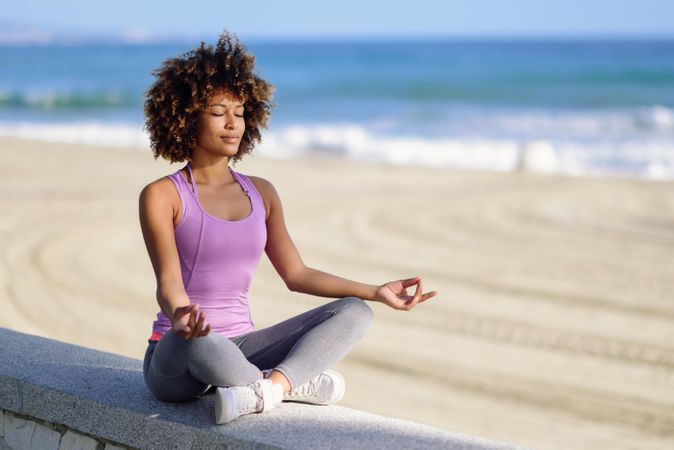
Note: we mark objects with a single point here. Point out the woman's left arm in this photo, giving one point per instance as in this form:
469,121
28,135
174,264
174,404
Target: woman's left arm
287,261
393,293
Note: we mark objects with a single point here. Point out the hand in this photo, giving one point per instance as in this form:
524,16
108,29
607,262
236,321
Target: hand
189,322
394,294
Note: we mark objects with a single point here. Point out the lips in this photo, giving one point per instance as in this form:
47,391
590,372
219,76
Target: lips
230,139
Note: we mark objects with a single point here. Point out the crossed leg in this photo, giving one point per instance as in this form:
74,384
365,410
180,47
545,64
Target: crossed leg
297,349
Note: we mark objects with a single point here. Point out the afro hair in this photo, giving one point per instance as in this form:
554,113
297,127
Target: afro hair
183,87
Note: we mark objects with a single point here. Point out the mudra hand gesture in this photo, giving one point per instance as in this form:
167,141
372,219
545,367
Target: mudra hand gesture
189,322
394,294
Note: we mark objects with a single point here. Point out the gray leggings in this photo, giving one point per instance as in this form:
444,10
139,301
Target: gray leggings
177,369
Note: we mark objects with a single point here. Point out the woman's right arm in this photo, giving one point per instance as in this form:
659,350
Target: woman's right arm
156,213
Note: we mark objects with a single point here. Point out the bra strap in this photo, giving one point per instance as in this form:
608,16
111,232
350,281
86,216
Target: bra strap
194,187
201,232
241,180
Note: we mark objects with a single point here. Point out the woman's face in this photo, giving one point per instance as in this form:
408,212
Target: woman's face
221,125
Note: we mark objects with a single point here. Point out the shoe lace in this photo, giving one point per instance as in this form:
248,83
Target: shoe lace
253,398
310,388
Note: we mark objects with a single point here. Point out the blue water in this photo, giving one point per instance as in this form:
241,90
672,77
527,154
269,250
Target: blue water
593,106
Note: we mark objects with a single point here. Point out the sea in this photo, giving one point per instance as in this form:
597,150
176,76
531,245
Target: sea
568,106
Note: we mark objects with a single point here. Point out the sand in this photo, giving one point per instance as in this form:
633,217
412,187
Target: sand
554,323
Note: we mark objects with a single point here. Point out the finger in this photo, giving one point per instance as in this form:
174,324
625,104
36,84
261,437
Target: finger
194,316
184,332
417,292
411,304
187,329
200,324
179,312
409,281
416,298
191,322
428,295
206,330
182,311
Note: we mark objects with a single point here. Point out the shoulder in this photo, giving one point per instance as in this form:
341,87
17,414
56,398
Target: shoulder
160,192
266,189
158,188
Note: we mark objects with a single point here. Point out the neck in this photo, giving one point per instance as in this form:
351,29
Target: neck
211,173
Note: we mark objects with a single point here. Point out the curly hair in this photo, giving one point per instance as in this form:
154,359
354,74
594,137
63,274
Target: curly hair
183,87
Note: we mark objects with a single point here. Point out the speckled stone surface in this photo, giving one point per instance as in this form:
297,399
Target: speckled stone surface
103,394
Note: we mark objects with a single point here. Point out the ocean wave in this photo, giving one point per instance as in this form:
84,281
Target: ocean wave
529,124
115,135
651,158
52,100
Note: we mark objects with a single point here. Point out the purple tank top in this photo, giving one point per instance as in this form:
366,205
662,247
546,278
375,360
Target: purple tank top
217,258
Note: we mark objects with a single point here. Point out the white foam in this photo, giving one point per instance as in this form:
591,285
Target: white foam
547,123
648,158
94,133
651,158
659,117
539,156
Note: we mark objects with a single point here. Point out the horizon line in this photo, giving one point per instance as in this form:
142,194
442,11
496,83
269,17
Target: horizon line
156,39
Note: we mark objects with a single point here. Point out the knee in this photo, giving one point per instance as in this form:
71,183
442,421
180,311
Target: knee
195,349
357,310
203,347
212,357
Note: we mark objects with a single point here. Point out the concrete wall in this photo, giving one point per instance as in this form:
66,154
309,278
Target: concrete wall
18,432
55,395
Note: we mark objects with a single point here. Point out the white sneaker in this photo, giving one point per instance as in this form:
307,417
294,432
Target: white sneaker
277,389
277,395
236,401
324,389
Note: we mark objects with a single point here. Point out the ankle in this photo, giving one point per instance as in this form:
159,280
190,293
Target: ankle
277,377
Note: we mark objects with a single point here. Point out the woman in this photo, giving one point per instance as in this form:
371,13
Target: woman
205,227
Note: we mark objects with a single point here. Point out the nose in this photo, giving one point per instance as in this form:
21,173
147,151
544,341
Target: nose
231,122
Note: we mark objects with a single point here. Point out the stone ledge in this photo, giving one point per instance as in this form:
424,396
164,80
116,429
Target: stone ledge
103,395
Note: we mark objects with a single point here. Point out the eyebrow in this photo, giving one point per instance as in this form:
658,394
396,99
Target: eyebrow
220,104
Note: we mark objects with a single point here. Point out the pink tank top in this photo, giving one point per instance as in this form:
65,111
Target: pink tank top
217,258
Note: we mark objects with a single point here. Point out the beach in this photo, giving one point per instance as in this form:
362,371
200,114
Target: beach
553,324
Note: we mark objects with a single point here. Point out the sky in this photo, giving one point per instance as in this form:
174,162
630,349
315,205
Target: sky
138,19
